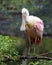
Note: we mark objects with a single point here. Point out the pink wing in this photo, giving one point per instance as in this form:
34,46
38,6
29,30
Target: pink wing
39,25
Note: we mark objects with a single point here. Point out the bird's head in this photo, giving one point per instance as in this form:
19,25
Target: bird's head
25,12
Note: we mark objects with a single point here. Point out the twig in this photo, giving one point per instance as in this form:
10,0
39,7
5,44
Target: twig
43,54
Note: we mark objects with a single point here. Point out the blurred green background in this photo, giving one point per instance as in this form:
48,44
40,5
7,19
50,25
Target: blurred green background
10,21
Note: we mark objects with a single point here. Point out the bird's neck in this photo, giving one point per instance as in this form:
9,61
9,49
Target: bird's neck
27,17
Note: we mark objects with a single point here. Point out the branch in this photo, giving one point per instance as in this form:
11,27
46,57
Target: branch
26,57
35,57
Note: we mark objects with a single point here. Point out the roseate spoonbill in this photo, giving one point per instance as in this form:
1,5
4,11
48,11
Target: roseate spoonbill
33,27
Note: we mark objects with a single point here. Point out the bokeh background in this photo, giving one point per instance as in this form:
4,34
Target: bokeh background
10,20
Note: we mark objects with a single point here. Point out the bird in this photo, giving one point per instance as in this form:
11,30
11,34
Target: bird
33,27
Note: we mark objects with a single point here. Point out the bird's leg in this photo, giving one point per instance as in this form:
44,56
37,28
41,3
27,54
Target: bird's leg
29,45
34,45
34,49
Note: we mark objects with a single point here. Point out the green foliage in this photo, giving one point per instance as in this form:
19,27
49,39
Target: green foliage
41,62
32,5
10,46
45,46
